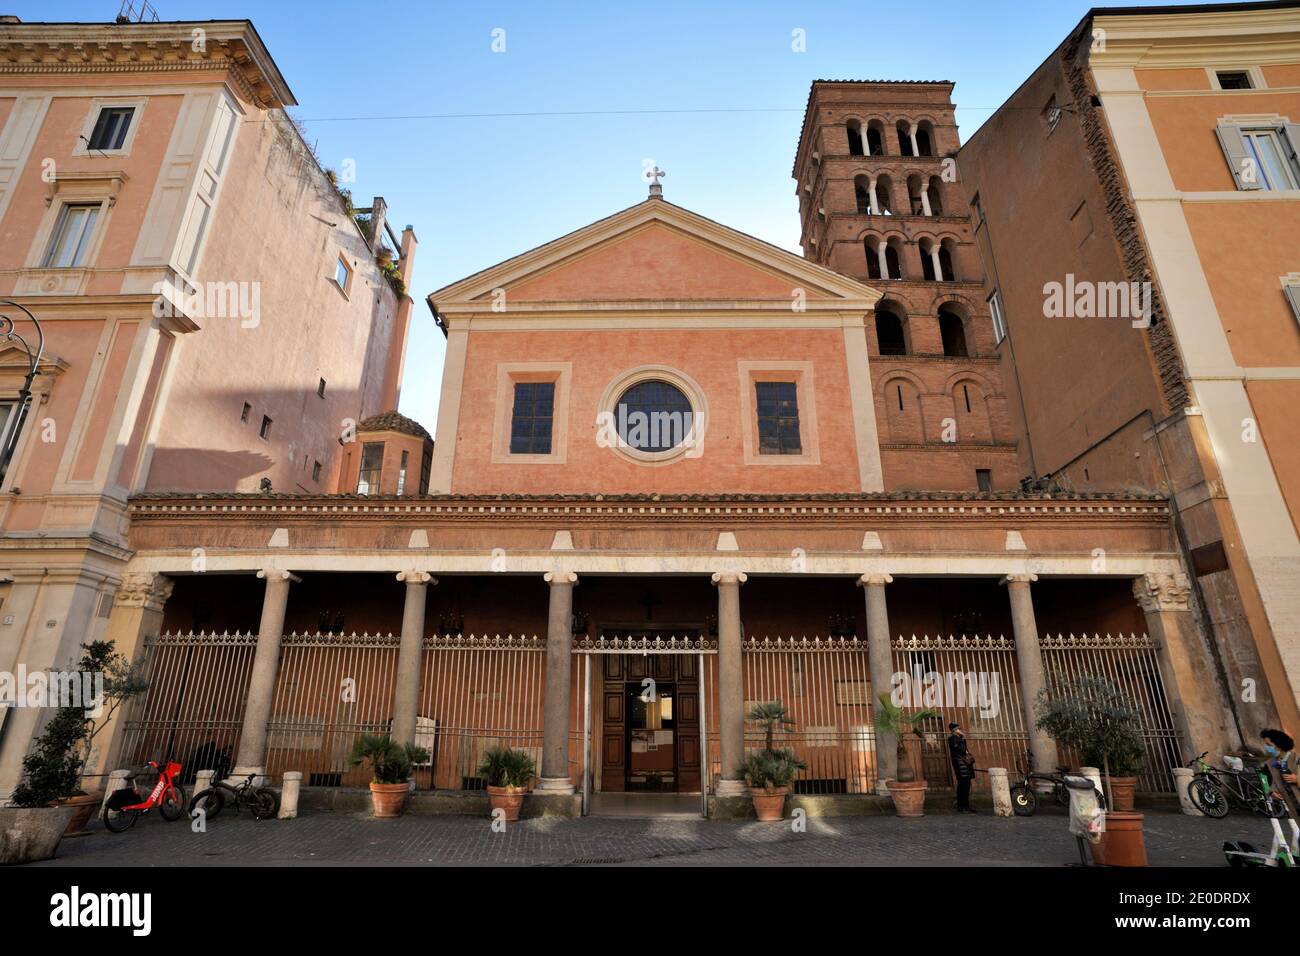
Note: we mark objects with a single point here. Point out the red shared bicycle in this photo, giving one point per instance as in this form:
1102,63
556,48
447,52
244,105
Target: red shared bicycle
125,806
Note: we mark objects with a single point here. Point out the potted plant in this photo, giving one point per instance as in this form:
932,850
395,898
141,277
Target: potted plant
53,771
390,769
508,774
1095,717
907,792
770,773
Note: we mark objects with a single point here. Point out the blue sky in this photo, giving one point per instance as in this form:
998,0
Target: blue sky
479,189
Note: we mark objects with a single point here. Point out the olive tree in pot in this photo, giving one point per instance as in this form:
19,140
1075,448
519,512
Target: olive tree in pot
508,774
54,770
769,773
907,792
1096,718
390,769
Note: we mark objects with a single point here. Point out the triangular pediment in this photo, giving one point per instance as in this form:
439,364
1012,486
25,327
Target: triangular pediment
656,252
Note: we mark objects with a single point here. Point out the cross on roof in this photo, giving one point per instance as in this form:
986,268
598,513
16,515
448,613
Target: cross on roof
656,190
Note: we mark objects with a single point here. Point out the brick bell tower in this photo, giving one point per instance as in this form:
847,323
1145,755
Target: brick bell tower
880,201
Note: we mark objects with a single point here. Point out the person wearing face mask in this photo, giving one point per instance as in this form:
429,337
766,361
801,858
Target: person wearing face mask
1280,748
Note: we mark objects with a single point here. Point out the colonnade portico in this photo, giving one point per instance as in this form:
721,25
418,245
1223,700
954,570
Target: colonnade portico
1161,597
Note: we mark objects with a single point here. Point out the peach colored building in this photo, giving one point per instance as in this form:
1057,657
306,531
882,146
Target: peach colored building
216,316
1159,146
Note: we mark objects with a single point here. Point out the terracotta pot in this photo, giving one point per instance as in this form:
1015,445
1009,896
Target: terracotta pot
1120,792
769,804
83,807
909,797
1122,843
388,799
508,800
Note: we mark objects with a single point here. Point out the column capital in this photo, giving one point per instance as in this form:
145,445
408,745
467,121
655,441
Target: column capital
277,574
561,577
1010,579
416,577
729,577
1162,591
875,577
144,589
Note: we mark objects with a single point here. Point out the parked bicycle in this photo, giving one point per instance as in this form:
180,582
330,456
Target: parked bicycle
1024,798
262,801
1216,790
125,806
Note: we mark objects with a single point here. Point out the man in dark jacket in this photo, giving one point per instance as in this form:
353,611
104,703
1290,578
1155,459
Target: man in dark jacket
963,766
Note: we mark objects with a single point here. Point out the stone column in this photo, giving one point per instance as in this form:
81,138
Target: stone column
406,686
559,663
261,685
1029,660
925,201
137,613
911,134
883,259
1190,683
871,191
880,660
731,684
938,264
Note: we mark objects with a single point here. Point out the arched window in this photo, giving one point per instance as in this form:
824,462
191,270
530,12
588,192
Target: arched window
914,187
884,197
927,259
873,258
862,193
924,140
905,138
855,138
953,332
889,333
875,138
892,260
936,202
945,262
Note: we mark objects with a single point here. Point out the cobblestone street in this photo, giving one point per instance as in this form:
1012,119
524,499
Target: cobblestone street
347,840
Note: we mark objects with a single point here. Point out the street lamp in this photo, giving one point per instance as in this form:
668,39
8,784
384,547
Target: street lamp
14,422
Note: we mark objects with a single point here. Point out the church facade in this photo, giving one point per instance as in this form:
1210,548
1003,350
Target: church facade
679,471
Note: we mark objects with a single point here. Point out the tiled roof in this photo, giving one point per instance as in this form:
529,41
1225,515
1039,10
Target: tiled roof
393,421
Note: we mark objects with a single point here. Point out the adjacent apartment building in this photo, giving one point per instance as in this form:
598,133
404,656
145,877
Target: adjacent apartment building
216,314
1136,206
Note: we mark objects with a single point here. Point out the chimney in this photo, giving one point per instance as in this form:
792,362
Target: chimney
378,216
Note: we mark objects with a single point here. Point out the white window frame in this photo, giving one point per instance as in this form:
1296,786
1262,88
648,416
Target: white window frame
1291,289
1278,135
346,285
1254,72
82,146
999,317
87,241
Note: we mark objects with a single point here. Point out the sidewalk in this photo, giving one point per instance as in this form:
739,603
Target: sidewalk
324,839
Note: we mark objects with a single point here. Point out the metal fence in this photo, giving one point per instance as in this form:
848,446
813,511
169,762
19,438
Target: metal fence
975,681
194,706
825,685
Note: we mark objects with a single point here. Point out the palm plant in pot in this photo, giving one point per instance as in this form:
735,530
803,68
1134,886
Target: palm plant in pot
769,773
390,769
1095,717
907,792
508,774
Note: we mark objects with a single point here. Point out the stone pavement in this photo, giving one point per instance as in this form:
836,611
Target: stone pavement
337,839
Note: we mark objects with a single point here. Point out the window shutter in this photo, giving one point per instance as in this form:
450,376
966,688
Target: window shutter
1234,151
1293,296
1292,147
